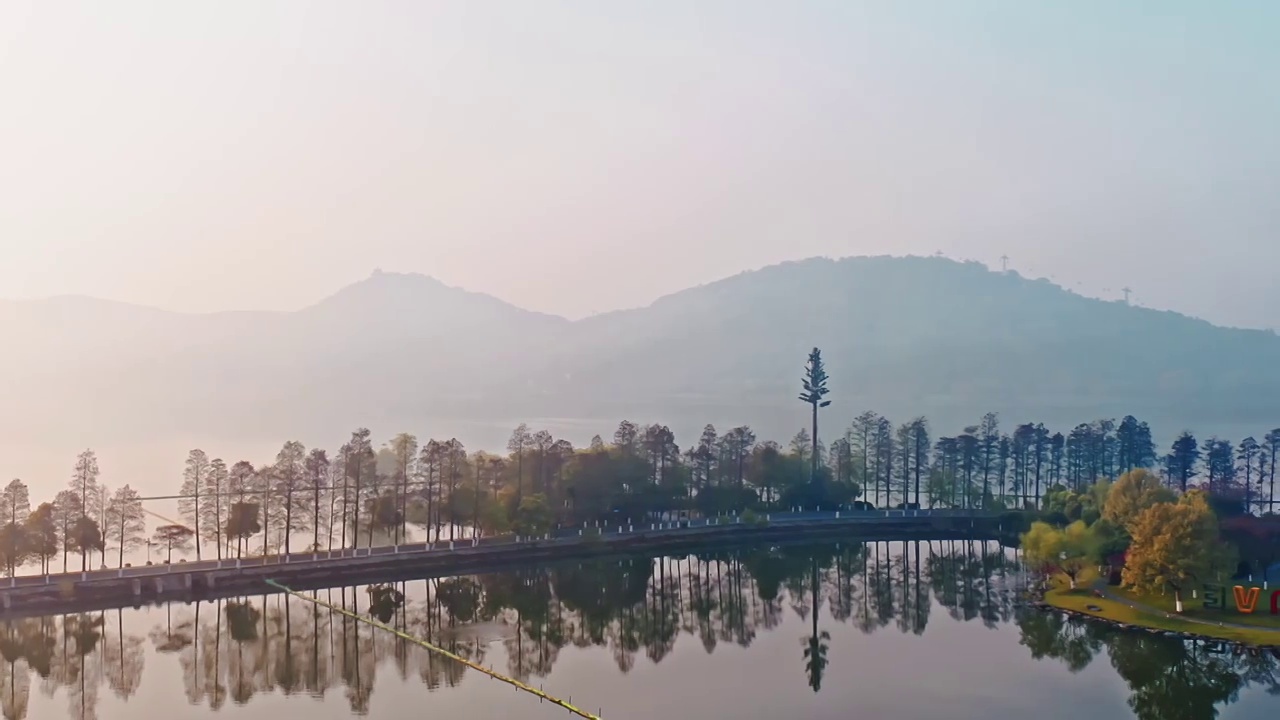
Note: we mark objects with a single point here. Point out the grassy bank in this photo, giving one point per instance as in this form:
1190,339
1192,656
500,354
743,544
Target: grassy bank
1157,612
1193,608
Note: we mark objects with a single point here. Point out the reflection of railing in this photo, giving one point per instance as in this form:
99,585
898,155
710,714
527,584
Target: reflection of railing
869,517
541,695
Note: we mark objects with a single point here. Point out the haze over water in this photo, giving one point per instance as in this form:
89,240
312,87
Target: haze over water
228,228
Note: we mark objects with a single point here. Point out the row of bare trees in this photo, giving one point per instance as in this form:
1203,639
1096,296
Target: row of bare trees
355,497
83,519
311,499
360,495
363,494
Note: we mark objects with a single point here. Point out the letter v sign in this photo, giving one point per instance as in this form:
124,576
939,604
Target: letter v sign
1246,602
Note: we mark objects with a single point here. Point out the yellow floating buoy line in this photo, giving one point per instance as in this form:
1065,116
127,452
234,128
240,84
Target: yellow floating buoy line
439,651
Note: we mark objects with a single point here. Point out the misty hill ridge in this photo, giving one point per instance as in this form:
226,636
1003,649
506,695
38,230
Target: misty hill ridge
389,291
384,290
905,336
901,304
412,306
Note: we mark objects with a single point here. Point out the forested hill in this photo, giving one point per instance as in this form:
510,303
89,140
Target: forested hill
913,336
902,336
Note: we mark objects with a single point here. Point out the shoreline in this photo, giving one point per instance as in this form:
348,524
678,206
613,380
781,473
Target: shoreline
174,583
1153,620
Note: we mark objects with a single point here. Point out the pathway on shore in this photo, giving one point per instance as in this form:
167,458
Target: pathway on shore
1143,607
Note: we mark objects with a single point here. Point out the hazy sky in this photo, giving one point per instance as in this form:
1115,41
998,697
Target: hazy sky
582,156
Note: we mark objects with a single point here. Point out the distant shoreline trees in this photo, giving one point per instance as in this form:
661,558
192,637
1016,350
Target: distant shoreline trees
370,496
360,496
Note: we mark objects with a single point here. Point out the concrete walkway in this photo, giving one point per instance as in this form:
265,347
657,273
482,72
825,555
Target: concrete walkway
869,518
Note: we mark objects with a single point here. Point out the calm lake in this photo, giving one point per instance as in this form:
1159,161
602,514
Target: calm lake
804,632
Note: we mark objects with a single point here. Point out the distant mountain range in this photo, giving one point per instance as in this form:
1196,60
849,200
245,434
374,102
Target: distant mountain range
903,336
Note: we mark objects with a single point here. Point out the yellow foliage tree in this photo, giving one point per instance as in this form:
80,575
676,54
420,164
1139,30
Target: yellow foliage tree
1099,492
1133,493
1065,550
1174,545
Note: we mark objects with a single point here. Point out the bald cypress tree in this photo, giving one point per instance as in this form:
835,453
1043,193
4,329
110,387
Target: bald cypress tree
920,435
194,478
1183,458
1273,451
84,483
989,447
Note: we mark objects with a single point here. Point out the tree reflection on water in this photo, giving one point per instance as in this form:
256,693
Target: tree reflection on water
235,650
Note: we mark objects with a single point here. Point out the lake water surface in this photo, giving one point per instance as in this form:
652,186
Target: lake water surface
804,632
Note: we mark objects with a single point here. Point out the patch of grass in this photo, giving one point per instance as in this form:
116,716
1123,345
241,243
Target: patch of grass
1078,600
1194,607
